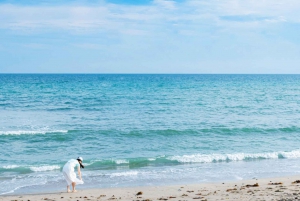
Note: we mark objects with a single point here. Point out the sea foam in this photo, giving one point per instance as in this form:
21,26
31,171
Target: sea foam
44,168
209,158
10,166
124,174
121,161
26,132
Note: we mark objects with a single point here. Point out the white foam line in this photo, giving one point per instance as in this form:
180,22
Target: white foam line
124,174
11,191
8,192
34,168
44,168
10,166
23,132
203,158
120,161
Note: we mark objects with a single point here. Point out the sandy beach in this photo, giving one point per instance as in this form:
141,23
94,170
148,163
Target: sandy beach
283,188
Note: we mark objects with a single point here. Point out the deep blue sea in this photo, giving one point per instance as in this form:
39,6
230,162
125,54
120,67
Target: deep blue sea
134,130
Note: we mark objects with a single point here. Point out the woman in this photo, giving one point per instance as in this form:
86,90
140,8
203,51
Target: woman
69,174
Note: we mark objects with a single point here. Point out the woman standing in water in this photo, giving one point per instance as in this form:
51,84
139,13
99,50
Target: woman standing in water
69,173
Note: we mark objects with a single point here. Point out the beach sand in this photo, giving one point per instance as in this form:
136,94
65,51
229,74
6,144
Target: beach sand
283,188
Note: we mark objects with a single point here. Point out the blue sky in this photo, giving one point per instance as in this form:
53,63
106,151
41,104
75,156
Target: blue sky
150,36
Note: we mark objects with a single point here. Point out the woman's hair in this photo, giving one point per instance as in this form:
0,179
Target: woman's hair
79,161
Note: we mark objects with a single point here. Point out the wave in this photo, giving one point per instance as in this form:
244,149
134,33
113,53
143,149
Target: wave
28,169
209,158
27,132
122,161
45,168
246,130
165,132
111,163
193,158
10,166
60,109
202,131
135,163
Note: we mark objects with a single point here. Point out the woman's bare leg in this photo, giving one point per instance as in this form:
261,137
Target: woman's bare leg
68,189
73,186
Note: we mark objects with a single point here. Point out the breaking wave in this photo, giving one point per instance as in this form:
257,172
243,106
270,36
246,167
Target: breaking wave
28,169
209,158
45,168
193,158
134,163
26,132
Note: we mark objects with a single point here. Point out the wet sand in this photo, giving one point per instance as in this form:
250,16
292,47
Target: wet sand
283,188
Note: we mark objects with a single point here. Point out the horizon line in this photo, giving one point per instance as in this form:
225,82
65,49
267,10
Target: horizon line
149,73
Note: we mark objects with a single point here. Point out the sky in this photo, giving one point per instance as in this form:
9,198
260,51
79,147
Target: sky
150,36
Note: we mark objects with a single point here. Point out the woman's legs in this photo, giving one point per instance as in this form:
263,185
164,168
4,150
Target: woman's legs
73,186
68,181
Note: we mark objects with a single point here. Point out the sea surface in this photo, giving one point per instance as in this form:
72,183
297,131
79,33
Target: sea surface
144,130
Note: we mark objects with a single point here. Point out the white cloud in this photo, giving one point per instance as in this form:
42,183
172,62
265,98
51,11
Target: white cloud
187,17
168,4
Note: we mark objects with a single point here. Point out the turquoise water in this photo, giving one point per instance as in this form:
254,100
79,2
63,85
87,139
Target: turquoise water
146,129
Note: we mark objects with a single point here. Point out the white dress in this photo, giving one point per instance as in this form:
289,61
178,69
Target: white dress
69,173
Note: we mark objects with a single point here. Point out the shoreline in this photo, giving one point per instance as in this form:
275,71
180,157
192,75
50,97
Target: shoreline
275,188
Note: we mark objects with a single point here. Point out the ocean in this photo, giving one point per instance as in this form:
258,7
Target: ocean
146,130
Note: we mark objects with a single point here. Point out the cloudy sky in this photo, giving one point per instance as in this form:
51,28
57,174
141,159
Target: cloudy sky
150,36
